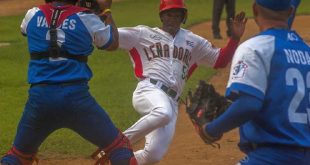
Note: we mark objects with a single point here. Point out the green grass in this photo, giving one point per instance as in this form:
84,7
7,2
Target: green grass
113,81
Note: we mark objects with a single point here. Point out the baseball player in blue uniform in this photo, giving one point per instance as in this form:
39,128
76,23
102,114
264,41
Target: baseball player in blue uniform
295,4
270,86
60,37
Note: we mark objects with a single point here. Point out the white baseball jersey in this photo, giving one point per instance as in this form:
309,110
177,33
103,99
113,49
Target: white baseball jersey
158,55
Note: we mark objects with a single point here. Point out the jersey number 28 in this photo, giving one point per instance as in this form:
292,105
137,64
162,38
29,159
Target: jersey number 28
294,75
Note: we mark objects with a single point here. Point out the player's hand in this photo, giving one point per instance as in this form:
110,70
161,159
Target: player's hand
105,4
238,25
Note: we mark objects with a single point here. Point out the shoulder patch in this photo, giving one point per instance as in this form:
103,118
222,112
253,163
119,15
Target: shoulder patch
239,70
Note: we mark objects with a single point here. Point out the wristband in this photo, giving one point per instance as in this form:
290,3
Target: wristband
105,11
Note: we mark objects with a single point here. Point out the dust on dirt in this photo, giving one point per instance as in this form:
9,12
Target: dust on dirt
186,148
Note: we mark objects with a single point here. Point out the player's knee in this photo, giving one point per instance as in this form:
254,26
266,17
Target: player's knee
163,117
16,157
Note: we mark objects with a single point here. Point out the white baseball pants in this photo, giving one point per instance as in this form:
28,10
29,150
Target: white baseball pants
157,124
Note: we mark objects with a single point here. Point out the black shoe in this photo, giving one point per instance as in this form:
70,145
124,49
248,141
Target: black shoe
217,36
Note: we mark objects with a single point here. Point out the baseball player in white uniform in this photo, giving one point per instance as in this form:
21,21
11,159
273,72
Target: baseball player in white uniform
163,58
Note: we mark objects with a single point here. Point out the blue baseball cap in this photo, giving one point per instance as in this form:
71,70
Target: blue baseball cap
276,5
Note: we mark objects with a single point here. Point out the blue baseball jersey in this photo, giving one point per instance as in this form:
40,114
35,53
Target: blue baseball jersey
274,66
76,35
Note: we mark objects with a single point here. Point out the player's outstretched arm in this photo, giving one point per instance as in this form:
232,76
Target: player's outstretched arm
243,109
227,52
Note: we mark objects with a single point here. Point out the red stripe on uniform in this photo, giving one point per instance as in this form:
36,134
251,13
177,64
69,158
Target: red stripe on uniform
137,61
191,70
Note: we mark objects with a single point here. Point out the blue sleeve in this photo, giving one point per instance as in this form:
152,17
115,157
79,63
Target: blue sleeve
243,109
109,41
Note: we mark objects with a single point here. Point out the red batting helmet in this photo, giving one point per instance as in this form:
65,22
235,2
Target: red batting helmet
171,4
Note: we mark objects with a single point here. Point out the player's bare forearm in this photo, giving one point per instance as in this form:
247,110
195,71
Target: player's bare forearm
238,26
226,53
109,21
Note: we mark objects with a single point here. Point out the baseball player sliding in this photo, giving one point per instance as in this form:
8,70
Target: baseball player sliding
163,58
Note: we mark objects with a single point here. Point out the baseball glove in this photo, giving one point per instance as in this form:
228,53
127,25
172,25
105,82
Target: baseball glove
91,5
203,106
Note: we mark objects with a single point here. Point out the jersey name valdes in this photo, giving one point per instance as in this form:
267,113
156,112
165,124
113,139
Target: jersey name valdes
67,23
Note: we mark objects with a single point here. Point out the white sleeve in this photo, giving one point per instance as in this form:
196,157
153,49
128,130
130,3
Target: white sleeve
128,37
29,15
251,66
101,33
207,53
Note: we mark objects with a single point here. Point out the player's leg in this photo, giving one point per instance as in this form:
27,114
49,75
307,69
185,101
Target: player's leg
157,124
154,106
26,144
156,144
33,128
218,6
93,124
230,11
